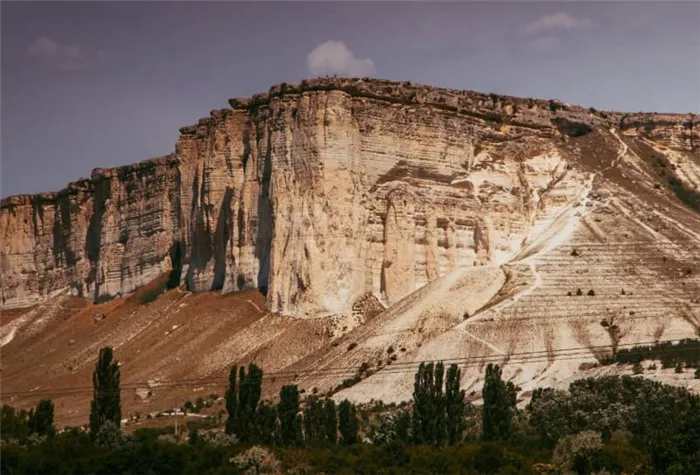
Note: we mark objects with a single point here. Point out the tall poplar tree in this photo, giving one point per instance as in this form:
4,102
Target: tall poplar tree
455,405
330,421
106,402
315,433
499,404
266,424
231,400
347,422
429,404
41,419
242,399
288,412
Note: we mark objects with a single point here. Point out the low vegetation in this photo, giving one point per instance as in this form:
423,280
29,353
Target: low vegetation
685,352
600,425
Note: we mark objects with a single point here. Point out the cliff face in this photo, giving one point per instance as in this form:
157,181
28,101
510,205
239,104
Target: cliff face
320,193
100,238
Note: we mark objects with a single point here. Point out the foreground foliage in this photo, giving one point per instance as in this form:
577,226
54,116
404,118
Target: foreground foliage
600,425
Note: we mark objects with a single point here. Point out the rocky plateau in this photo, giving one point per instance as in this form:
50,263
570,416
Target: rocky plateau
371,224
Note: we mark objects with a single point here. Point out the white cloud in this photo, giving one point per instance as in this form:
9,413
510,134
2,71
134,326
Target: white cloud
333,57
56,54
556,21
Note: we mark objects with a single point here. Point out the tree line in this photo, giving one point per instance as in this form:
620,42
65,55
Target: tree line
253,421
618,424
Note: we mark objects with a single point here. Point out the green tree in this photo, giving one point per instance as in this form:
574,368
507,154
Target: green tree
250,387
41,419
455,405
429,404
13,424
231,397
348,424
288,412
242,398
106,402
192,435
499,404
267,424
393,428
330,421
575,453
313,421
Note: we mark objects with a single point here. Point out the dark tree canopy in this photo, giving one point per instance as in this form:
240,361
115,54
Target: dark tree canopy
231,397
106,403
288,412
242,399
314,429
438,415
330,421
348,424
41,419
499,404
455,405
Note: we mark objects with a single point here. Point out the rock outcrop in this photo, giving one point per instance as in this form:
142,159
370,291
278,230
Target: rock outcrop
322,192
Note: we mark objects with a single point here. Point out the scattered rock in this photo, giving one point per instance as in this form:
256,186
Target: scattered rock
142,393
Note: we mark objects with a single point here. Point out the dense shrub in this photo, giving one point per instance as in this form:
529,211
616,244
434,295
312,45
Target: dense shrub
608,404
670,354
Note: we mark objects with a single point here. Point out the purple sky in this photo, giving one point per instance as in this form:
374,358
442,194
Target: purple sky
100,84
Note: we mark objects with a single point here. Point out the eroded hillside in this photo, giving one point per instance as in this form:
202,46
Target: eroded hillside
389,223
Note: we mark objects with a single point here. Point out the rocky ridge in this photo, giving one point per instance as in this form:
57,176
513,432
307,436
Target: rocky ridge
320,193
417,223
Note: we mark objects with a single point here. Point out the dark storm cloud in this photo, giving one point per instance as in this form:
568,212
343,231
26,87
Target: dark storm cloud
99,84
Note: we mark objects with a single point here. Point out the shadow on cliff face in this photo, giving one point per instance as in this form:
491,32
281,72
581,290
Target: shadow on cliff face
221,238
63,254
263,239
201,250
93,241
176,257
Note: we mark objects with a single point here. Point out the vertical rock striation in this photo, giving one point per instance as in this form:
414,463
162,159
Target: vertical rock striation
318,194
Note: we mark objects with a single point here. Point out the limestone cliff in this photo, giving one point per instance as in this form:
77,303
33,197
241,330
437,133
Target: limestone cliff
319,194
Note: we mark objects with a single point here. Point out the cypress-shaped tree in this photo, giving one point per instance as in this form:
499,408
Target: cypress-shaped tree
438,429
266,424
241,419
330,421
313,422
347,422
242,398
429,404
499,404
231,397
455,405
106,402
250,387
288,412
422,402
41,419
